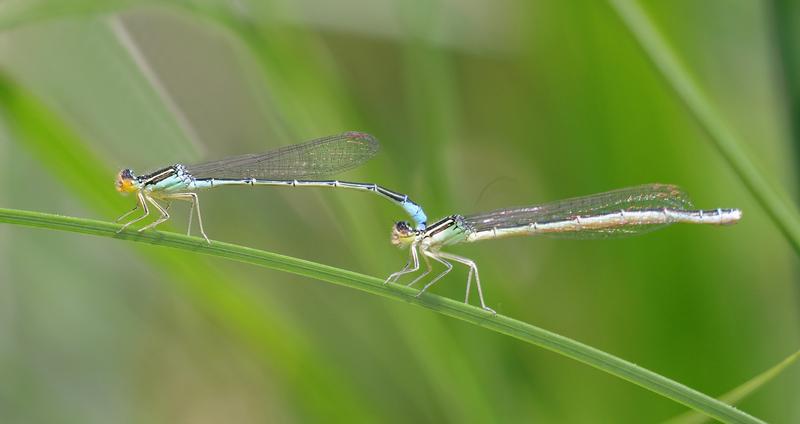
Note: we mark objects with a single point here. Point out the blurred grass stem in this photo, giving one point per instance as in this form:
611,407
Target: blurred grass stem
453,308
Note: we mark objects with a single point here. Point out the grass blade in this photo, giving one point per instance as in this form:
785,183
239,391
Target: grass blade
785,15
499,323
775,203
741,392
321,392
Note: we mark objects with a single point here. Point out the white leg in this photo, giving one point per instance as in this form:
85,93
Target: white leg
406,270
141,199
191,217
427,271
469,285
191,198
196,203
129,212
164,215
473,269
435,256
405,267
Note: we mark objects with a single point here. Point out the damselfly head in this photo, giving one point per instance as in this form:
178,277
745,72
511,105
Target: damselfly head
403,234
126,181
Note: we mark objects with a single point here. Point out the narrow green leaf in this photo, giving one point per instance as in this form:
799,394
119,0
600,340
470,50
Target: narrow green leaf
319,389
736,395
786,18
772,199
498,323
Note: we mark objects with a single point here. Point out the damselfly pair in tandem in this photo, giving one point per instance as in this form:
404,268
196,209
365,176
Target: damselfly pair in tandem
622,212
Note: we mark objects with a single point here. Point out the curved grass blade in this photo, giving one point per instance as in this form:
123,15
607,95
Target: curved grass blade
736,395
318,389
782,212
456,309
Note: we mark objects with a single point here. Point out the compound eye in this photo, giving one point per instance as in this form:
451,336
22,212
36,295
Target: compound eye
403,227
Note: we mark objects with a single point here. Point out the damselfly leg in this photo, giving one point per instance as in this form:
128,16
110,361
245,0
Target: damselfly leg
473,270
435,257
421,276
126,214
141,201
195,204
414,260
164,215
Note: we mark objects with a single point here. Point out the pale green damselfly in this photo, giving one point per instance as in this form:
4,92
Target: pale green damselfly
300,165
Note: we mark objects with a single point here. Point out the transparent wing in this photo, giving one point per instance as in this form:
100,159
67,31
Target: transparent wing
639,198
314,159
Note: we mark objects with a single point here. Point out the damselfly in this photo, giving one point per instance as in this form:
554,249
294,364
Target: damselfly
300,165
623,212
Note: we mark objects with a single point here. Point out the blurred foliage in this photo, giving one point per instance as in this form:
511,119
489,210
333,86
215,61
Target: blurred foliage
478,105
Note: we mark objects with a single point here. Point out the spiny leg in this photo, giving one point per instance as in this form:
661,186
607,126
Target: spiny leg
140,198
435,256
406,270
473,270
164,215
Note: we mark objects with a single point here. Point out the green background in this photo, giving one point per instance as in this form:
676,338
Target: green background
477,105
